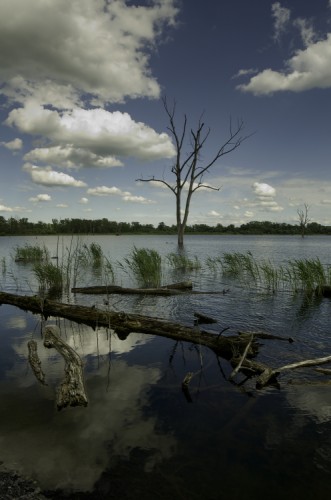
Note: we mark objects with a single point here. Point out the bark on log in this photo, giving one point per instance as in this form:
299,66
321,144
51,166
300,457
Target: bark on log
124,323
71,392
35,362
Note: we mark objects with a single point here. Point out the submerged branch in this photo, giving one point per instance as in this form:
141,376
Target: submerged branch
269,374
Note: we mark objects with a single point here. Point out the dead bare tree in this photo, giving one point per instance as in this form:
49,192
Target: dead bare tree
303,218
188,169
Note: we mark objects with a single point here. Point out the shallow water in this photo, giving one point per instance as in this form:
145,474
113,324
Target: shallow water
141,436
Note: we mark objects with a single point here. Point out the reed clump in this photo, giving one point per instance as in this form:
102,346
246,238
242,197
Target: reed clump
306,275
145,265
49,277
31,253
241,266
182,262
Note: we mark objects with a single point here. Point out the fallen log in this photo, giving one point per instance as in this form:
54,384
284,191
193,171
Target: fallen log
71,392
167,290
123,323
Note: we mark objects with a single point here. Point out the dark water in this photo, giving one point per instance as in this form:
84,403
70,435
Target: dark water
141,436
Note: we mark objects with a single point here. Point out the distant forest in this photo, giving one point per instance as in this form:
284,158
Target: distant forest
15,226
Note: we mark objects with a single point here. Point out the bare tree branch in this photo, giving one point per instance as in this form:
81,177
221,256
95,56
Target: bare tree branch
189,168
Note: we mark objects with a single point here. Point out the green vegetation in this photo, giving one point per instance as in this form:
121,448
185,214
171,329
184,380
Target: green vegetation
80,262
13,226
183,263
145,265
305,275
31,253
49,277
308,274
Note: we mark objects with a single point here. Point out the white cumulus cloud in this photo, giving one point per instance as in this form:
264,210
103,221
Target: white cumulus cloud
263,189
40,197
307,69
265,198
94,134
114,191
13,145
4,208
48,177
68,156
58,50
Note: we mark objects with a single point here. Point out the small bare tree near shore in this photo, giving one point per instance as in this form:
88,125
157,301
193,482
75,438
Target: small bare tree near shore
303,219
189,168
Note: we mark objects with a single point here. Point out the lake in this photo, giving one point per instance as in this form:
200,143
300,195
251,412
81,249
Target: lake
140,436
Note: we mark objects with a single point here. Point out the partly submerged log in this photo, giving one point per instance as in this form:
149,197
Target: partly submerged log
203,319
124,323
35,362
167,290
71,391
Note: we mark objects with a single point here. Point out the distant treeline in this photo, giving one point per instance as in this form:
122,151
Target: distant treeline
22,226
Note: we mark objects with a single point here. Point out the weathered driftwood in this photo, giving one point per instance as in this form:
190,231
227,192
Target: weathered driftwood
124,323
325,371
35,362
242,359
71,392
270,374
167,290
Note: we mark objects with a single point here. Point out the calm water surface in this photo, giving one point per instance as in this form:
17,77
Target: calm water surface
140,437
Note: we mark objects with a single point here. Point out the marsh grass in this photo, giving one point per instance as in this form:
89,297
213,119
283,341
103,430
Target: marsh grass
49,277
31,253
214,264
241,266
79,262
145,265
183,262
270,276
307,274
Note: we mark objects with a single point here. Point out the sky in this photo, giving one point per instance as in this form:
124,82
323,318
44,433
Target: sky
82,115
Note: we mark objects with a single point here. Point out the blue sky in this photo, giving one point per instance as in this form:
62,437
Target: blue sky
81,113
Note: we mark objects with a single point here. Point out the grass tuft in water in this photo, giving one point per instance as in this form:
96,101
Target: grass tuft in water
307,274
49,276
241,266
183,262
145,265
31,253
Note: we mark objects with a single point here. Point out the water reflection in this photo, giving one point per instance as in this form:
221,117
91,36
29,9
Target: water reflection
71,449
